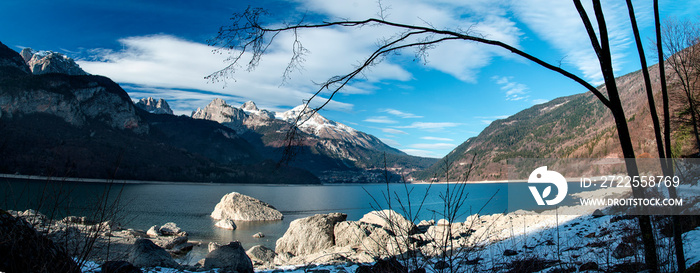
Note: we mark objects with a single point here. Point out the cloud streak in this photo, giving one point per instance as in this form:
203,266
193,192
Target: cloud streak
431,126
401,114
380,119
558,23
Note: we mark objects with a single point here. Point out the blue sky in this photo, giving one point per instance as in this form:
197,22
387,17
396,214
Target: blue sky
159,49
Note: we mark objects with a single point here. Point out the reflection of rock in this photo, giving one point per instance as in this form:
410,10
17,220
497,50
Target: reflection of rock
144,253
231,257
225,224
238,207
309,235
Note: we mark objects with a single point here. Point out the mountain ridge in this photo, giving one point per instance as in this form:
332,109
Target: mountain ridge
331,150
85,126
575,126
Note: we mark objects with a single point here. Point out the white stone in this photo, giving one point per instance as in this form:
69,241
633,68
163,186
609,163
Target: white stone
238,207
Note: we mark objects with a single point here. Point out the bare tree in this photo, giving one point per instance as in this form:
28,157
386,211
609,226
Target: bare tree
680,39
668,155
249,34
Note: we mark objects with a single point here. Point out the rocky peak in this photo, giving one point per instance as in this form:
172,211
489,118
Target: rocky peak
156,107
249,106
313,122
217,110
43,62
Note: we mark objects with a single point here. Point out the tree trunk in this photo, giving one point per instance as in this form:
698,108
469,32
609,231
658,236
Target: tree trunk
616,108
668,170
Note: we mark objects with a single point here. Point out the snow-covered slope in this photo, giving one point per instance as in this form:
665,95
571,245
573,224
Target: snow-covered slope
327,145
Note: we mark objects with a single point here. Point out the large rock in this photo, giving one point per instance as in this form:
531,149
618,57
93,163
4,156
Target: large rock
309,235
230,258
144,253
22,249
261,254
391,221
351,233
238,207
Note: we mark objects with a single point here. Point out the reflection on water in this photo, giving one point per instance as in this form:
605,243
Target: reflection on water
189,205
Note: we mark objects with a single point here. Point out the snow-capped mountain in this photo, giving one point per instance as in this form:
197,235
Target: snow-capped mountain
336,145
43,62
315,125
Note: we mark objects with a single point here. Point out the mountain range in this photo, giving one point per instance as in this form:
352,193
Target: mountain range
331,150
577,126
58,120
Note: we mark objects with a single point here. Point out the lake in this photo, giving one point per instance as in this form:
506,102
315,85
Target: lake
189,204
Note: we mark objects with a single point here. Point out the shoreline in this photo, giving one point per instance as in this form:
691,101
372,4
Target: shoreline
135,182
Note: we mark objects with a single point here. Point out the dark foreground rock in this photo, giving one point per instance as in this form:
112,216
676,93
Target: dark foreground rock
229,258
22,249
144,253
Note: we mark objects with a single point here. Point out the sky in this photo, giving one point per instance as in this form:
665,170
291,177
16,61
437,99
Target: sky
424,107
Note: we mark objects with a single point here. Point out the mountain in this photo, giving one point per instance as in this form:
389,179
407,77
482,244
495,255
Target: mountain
63,125
577,126
333,151
43,62
155,107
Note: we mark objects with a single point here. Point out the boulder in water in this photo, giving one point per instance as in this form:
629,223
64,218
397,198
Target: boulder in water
238,207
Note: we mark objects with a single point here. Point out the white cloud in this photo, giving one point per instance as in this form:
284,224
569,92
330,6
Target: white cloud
390,142
433,146
538,101
380,119
431,126
437,138
401,114
558,23
419,152
393,131
166,62
489,119
514,91
457,58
